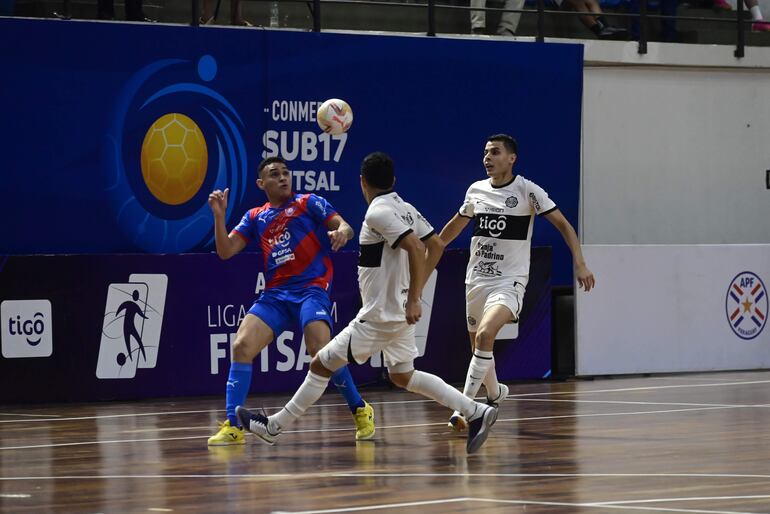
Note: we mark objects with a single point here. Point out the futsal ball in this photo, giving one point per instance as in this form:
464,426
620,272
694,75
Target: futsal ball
174,158
335,116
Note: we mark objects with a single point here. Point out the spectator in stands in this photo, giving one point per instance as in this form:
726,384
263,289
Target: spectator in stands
509,21
759,25
236,18
668,32
106,10
594,19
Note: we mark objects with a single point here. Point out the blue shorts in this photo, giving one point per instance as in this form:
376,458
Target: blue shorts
278,308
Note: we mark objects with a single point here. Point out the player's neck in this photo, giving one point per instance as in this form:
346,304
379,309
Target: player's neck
278,201
501,180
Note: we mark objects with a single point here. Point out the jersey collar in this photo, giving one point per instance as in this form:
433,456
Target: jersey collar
503,185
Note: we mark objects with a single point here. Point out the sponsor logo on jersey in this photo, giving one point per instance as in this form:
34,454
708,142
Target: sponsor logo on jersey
283,239
487,269
746,305
487,251
501,226
534,201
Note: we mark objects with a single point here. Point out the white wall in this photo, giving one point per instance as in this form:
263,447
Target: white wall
675,156
676,144
663,308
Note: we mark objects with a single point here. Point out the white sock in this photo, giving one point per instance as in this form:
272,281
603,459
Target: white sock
435,388
308,393
477,371
756,13
490,381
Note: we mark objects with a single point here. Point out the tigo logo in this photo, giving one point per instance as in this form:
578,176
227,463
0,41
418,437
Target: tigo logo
26,328
133,317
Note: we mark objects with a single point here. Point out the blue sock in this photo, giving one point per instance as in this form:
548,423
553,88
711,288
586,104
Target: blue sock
238,384
347,388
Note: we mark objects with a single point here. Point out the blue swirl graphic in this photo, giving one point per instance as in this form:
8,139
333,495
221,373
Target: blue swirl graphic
148,223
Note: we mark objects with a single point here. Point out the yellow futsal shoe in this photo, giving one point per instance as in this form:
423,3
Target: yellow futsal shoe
227,435
364,418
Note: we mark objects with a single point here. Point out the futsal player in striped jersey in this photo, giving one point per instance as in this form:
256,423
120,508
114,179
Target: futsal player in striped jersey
503,208
399,250
296,233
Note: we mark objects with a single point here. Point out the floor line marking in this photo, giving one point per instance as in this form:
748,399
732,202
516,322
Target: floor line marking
686,499
417,425
338,474
511,396
383,506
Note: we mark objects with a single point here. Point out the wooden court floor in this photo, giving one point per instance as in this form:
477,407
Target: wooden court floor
694,443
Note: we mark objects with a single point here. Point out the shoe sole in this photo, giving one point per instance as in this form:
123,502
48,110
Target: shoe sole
234,443
244,416
457,424
489,419
365,438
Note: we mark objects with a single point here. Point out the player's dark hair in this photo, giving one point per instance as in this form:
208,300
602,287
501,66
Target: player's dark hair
508,142
268,161
377,170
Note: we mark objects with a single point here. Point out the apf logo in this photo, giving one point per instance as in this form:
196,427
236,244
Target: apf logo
746,305
133,317
26,328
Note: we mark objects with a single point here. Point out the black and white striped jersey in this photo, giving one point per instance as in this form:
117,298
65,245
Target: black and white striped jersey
502,228
383,268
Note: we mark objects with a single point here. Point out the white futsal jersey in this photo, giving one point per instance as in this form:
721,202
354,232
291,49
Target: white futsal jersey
502,228
383,268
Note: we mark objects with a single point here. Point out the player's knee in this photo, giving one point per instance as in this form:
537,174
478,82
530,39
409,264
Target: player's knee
400,379
317,367
243,350
326,362
485,339
313,347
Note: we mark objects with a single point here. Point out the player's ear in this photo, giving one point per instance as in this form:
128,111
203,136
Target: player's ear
260,184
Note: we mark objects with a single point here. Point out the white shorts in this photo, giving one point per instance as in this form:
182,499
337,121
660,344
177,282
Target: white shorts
480,298
362,339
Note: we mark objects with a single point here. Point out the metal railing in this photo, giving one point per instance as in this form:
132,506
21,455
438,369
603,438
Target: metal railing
431,6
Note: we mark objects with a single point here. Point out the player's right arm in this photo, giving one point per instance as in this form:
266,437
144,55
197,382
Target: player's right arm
453,229
227,244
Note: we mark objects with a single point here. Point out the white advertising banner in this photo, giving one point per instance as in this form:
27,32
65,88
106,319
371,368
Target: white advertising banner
667,308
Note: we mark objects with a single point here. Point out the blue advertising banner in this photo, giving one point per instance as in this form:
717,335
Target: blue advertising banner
112,147
71,326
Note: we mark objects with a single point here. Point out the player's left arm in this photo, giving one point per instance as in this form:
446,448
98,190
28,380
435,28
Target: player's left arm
340,232
584,275
415,249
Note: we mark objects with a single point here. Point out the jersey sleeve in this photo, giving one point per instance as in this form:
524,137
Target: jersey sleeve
320,209
246,229
388,224
467,209
539,199
422,226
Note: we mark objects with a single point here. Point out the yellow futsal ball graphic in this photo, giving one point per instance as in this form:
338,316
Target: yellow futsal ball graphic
174,158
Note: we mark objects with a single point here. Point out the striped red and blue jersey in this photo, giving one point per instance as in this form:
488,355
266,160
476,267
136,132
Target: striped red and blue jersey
293,239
